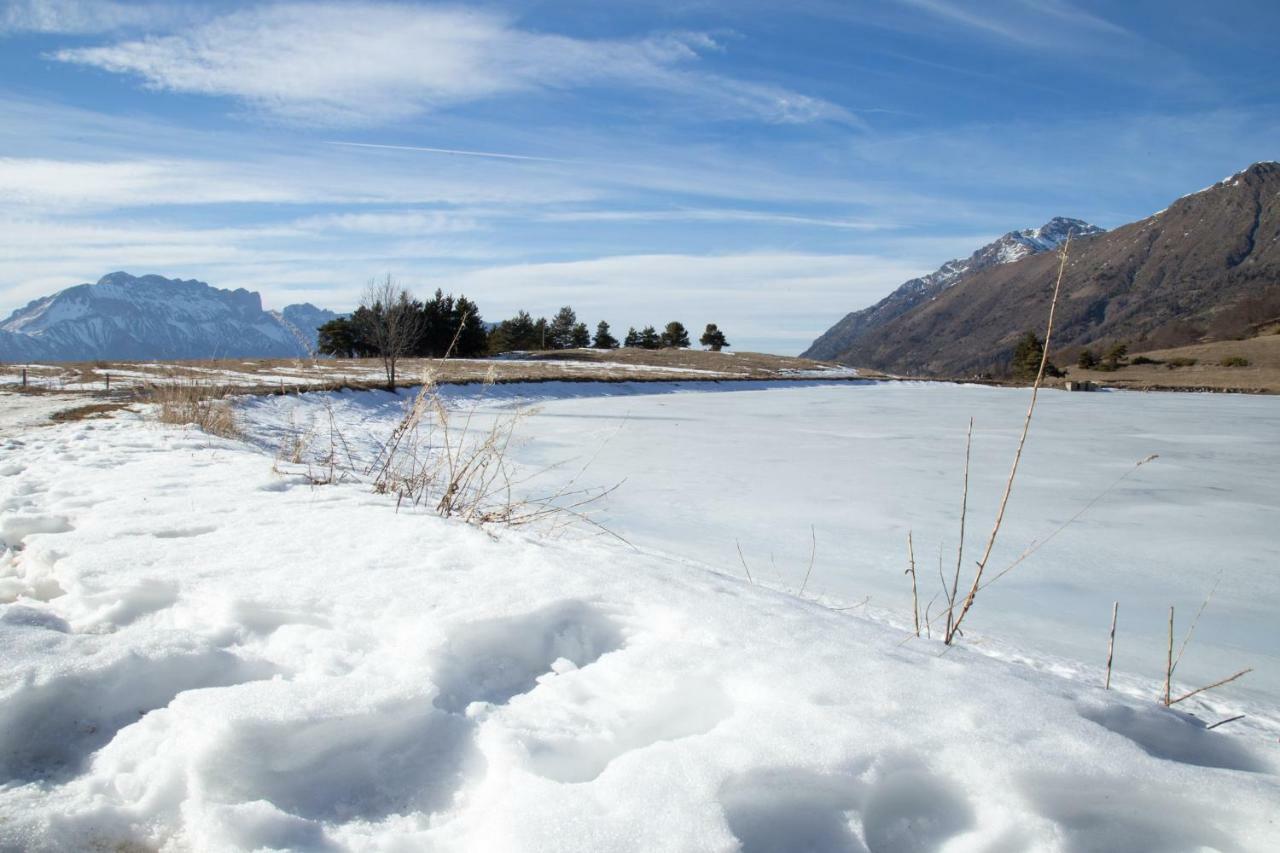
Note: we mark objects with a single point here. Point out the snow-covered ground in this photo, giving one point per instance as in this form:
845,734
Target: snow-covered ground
771,467
201,652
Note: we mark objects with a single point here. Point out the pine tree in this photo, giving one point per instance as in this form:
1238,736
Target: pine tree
713,338
1088,359
1114,356
518,333
675,336
580,337
603,339
649,338
1026,357
632,339
341,338
560,332
473,339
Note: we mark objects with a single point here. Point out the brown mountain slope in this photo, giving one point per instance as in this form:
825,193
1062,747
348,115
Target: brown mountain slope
1207,268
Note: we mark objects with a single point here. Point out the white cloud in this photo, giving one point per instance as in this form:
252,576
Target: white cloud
348,63
69,184
78,17
714,215
392,223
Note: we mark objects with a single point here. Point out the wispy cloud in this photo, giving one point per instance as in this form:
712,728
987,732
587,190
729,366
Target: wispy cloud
83,17
1029,23
369,63
455,151
714,215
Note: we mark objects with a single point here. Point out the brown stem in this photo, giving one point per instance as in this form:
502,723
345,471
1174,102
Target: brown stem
1017,456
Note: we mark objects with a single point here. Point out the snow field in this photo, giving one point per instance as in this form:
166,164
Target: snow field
773,468
201,653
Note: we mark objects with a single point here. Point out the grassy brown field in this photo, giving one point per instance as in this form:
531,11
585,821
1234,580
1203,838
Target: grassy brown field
289,375
1261,374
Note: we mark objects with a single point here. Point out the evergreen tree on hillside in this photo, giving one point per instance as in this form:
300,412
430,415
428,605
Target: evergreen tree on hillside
560,332
632,339
713,338
1088,359
580,337
675,335
603,339
1026,359
518,333
649,338
1114,357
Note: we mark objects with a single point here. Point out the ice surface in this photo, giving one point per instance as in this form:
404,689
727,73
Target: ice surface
202,651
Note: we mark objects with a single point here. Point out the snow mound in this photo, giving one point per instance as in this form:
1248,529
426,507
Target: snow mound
237,660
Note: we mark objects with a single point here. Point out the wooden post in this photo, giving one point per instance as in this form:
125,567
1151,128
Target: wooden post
24,377
1168,669
108,381
1111,646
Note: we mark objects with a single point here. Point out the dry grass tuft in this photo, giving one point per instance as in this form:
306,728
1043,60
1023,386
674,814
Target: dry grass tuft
194,403
434,458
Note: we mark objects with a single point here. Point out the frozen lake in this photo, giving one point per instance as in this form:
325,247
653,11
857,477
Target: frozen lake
707,468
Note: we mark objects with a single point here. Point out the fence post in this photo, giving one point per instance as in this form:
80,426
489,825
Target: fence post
108,381
24,377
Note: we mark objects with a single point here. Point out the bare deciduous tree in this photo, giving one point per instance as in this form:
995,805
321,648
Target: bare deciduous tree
389,320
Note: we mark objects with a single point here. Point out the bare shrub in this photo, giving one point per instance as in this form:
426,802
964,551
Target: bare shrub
434,458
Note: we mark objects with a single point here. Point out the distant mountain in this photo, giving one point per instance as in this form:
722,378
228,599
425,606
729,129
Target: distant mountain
1013,246
125,317
1206,268
303,320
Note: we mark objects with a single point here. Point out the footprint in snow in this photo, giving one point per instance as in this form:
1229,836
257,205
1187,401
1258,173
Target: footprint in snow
496,660
15,529
599,733
896,807
49,730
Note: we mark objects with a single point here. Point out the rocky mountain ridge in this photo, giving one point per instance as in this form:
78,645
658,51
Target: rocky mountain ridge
144,318
1009,248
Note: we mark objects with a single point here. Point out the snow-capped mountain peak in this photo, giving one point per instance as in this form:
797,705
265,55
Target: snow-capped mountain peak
1009,248
148,317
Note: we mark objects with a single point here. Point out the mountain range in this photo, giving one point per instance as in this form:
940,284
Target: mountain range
1013,246
1205,268
142,318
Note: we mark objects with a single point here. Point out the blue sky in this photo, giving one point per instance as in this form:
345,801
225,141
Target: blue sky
761,165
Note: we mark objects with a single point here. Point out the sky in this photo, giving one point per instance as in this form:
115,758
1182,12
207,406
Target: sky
761,165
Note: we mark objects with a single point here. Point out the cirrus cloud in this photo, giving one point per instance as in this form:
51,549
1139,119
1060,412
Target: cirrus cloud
370,63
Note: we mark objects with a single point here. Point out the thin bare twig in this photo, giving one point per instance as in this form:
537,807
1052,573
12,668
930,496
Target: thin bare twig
1017,457
1224,722
744,562
911,570
1192,630
964,509
813,551
1168,669
1036,545
1227,680
1111,646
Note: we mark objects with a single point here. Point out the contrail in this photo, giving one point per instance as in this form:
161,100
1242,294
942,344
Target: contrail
452,151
